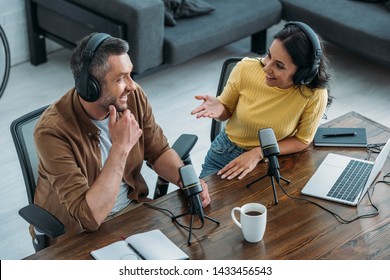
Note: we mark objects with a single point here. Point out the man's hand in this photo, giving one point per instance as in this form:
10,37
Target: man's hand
204,195
124,131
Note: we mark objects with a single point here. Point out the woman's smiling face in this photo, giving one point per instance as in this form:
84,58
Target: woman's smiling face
278,66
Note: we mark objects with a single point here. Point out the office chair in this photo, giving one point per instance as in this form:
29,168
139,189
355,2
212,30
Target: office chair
227,67
47,225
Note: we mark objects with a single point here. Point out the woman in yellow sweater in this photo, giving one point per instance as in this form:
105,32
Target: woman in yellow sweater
287,90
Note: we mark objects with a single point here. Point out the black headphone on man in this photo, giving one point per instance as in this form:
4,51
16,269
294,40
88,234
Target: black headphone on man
305,75
87,86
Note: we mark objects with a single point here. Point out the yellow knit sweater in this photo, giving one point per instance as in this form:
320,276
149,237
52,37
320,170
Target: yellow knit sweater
254,105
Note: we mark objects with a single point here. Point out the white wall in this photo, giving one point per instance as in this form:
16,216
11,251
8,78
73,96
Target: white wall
13,21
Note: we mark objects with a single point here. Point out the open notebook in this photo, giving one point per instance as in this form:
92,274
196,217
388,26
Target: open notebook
344,179
149,245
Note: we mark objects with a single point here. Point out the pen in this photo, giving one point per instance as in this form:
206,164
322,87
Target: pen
339,134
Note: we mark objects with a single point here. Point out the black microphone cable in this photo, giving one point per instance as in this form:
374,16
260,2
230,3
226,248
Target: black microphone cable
385,180
337,216
373,149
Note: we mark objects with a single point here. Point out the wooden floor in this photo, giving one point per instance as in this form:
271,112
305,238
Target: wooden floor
358,85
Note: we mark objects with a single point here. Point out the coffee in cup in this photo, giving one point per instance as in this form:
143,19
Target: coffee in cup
253,220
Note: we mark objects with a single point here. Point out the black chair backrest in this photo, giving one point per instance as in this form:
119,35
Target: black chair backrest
22,130
227,67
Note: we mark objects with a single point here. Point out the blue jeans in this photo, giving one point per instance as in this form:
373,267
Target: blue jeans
221,152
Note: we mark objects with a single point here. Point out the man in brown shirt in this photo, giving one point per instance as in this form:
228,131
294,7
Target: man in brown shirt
92,142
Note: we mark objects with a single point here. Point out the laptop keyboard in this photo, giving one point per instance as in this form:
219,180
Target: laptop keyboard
351,181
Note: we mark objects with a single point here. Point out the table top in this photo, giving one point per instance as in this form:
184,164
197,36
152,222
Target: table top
295,229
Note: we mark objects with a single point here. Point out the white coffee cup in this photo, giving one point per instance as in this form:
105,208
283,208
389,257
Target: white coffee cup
253,219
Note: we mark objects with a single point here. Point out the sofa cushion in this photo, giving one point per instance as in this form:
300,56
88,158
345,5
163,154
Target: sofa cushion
355,25
190,38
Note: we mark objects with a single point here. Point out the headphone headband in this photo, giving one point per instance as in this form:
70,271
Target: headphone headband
87,87
308,75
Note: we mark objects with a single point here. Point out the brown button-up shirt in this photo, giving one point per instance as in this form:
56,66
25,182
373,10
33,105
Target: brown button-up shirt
70,159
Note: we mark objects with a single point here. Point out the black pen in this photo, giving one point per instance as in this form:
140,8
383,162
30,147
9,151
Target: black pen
339,134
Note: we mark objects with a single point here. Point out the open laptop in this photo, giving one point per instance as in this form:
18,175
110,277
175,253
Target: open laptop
344,179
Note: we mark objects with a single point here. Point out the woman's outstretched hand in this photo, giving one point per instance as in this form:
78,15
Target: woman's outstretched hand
210,108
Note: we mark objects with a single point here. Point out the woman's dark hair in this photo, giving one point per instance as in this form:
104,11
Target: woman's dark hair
99,64
301,51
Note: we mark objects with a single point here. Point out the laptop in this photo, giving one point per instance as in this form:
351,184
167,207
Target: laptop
345,179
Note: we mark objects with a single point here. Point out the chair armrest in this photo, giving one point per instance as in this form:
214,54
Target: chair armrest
144,20
184,144
42,220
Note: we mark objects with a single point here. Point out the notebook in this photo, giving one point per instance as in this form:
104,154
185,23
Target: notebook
340,137
360,174
149,245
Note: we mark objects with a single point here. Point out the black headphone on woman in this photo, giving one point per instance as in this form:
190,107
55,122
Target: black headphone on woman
87,86
305,75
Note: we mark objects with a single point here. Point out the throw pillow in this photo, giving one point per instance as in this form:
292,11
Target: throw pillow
387,4
176,9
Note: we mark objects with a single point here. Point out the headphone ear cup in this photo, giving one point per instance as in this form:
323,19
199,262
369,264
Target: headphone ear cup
312,74
93,89
87,86
300,76
78,86
305,75
92,92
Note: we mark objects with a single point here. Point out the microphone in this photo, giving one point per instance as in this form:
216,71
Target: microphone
270,150
191,189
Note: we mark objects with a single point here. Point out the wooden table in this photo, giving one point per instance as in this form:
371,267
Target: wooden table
295,229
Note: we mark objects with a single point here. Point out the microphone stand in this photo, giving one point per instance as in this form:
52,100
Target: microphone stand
192,211
272,176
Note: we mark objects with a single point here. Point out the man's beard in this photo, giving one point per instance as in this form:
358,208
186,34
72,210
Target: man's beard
108,100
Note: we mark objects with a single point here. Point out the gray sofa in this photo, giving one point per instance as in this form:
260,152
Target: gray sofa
358,26
141,23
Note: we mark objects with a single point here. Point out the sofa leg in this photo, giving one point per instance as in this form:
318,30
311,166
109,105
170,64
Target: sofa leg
37,50
36,42
259,42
